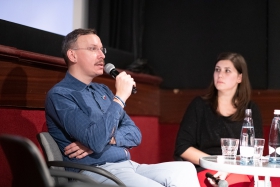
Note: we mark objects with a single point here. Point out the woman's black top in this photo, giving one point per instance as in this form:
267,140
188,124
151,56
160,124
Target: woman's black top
203,128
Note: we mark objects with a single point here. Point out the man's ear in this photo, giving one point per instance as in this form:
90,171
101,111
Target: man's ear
72,55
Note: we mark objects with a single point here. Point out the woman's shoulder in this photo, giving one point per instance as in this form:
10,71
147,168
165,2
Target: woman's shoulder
252,104
198,101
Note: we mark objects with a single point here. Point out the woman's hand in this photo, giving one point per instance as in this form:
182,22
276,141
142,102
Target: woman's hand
220,175
77,150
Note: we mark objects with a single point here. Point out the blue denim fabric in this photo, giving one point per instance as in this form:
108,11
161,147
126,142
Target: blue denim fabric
87,113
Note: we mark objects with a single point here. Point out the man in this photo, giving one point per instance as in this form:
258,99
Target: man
90,125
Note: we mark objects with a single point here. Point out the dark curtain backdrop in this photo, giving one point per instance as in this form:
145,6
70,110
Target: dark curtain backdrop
119,23
181,39
274,44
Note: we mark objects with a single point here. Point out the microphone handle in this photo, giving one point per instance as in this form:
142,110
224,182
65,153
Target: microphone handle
209,175
114,73
134,90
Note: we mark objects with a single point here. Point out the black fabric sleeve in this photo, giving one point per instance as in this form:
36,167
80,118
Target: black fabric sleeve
189,126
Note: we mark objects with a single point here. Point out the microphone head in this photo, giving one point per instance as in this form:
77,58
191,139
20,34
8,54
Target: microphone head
108,68
222,183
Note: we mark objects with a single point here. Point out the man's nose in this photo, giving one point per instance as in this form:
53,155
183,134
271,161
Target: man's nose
101,54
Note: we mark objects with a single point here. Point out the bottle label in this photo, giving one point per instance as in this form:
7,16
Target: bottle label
246,151
278,150
272,150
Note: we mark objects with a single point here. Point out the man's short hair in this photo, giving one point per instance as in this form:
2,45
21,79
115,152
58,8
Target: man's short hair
71,38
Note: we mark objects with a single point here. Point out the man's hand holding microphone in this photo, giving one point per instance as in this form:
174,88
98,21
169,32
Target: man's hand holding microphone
125,84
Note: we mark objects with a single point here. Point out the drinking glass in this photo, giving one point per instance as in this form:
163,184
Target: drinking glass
229,148
258,148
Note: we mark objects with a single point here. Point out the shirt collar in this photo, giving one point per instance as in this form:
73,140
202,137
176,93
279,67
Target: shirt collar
75,83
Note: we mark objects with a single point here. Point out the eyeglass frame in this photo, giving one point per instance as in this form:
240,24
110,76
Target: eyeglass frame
102,49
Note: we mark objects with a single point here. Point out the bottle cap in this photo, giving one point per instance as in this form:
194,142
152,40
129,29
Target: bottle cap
276,111
248,112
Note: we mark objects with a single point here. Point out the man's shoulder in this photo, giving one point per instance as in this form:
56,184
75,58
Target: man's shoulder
61,88
60,85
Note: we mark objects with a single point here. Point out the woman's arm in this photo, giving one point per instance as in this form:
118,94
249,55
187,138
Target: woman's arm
192,155
189,130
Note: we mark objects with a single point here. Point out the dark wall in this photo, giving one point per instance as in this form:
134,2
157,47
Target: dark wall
39,41
183,39
30,39
273,61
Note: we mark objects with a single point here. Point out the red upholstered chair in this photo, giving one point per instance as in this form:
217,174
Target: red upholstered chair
22,122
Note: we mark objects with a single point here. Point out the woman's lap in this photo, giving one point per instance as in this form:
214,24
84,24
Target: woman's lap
234,180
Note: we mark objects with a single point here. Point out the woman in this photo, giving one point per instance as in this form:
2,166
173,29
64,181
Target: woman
218,114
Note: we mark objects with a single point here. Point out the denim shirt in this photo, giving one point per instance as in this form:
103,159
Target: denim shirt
87,113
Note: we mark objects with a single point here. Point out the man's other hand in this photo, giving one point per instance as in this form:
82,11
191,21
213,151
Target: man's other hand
77,150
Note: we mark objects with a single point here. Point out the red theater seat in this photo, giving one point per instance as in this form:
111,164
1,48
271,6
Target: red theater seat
157,143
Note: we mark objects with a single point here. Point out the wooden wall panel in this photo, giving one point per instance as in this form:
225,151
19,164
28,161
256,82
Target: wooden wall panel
175,102
24,85
26,77
267,100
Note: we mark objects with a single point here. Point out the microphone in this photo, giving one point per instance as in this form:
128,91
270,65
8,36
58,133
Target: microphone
220,183
110,69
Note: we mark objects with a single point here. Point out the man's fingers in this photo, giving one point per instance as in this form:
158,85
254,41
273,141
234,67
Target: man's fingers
71,150
83,155
70,146
77,150
77,153
80,154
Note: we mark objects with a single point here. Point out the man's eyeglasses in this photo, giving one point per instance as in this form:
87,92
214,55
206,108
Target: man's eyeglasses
104,50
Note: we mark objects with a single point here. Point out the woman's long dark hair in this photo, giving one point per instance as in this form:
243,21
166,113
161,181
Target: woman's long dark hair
242,96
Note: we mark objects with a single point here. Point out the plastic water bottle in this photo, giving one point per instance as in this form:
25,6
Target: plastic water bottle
274,138
247,138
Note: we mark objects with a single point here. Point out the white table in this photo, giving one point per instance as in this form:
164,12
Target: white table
258,168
